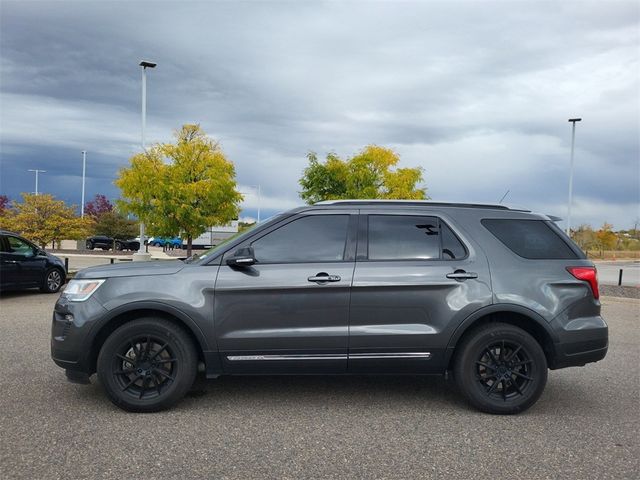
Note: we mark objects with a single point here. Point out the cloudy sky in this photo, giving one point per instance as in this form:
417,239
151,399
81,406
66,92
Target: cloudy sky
477,93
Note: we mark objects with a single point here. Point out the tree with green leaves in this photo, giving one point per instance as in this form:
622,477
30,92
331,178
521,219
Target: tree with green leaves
181,188
115,225
371,174
43,220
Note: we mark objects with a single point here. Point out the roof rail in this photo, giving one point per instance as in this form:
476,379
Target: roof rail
430,203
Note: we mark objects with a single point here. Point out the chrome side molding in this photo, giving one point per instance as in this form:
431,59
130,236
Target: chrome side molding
367,356
331,356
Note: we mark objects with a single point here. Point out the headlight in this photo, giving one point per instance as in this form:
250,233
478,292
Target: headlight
80,290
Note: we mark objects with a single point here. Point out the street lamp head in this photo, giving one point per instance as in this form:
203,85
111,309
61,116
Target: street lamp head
145,64
575,120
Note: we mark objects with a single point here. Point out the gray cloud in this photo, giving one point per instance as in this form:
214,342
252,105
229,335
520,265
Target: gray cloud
477,93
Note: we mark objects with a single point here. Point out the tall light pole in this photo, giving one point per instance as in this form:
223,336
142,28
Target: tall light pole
84,171
144,64
573,140
37,172
259,188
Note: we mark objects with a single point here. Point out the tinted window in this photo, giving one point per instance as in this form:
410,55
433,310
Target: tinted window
316,238
452,247
395,237
19,246
530,238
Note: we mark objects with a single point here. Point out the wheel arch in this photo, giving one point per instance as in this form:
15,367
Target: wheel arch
121,316
516,315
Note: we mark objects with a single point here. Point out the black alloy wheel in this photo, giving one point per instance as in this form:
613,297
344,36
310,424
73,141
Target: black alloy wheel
53,280
503,370
89,245
500,368
118,245
147,365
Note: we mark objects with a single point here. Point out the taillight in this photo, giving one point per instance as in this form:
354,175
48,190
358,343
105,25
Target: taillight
587,274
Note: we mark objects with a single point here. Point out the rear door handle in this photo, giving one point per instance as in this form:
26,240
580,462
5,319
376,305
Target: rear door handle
462,275
324,277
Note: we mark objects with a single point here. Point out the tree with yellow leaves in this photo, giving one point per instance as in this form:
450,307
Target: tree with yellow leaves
181,188
368,174
43,220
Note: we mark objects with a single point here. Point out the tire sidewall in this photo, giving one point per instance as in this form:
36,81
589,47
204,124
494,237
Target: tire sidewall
181,346
465,369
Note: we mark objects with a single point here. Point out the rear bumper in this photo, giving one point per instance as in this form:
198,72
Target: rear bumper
581,341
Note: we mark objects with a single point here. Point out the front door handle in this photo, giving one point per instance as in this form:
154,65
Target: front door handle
462,275
323,277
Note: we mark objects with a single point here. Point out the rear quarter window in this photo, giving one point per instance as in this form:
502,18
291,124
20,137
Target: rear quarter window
532,239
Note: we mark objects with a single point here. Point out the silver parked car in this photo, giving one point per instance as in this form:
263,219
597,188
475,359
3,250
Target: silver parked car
496,296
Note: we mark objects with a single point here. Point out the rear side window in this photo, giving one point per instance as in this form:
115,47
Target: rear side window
405,237
532,239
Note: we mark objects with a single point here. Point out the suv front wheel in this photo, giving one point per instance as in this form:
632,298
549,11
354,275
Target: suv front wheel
500,369
147,365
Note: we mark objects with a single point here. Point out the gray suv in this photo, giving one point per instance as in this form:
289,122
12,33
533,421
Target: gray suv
494,295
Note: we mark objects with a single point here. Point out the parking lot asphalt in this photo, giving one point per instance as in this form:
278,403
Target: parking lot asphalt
585,425
609,271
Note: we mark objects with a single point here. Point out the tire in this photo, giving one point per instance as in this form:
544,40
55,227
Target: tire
147,385
89,245
118,245
53,280
500,369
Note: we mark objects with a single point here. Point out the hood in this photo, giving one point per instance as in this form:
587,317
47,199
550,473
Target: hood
133,269
54,259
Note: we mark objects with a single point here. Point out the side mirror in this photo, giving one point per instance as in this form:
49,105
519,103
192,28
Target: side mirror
41,253
243,257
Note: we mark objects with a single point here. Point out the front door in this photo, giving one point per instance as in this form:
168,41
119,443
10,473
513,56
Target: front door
21,266
289,312
415,280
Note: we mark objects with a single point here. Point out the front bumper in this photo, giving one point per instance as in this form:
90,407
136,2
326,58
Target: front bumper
580,341
72,334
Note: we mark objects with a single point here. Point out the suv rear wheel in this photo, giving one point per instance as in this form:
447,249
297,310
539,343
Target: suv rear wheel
500,369
147,365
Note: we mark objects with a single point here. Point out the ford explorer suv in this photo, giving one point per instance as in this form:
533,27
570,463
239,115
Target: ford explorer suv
495,296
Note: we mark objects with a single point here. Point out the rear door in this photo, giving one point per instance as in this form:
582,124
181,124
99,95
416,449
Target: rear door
289,312
417,277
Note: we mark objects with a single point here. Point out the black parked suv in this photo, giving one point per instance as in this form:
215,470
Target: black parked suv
495,295
105,243
23,265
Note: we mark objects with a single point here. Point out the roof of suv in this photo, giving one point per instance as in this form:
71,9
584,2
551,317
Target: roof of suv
418,203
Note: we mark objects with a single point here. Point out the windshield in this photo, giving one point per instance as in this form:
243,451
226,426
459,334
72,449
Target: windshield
212,252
